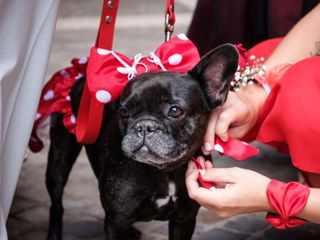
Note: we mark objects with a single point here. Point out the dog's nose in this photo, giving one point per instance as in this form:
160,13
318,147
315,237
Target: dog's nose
145,128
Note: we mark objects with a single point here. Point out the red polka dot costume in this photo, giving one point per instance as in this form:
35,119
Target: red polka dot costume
55,98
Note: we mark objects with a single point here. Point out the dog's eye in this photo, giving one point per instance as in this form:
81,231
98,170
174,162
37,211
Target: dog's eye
124,112
175,112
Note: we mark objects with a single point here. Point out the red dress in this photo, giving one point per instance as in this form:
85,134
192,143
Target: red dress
290,117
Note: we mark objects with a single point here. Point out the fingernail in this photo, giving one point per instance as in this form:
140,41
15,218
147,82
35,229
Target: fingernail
204,151
208,147
202,172
224,138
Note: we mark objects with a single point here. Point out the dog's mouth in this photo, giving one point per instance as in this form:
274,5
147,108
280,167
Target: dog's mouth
144,150
162,160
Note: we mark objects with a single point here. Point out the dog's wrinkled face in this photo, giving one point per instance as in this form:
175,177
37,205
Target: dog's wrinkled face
163,115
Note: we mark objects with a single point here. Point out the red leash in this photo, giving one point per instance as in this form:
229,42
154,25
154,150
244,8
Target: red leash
91,111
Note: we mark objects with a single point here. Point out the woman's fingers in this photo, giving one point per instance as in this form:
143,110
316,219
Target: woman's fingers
210,132
208,165
220,175
223,122
195,191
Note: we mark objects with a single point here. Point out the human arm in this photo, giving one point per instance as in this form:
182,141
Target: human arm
302,41
240,112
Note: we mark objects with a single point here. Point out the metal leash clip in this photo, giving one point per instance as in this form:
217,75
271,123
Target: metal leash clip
168,28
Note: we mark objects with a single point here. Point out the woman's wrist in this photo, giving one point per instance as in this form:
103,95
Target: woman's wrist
254,96
311,209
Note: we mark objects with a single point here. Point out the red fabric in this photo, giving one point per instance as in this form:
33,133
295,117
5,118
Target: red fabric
107,76
237,149
289,120
55,98
288,199
203,183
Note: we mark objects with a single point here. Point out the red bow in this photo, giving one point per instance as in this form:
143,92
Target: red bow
108,72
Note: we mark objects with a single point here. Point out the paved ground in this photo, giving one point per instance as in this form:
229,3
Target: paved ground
139,29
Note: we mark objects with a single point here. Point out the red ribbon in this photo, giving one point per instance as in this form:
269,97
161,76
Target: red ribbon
288,199
108,72
234,148
203,183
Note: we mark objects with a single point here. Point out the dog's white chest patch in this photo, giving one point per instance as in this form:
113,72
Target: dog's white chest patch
160,202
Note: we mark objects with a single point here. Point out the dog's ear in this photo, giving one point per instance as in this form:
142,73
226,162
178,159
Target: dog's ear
214,73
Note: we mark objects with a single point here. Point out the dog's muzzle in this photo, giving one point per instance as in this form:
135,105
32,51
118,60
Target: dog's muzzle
146,128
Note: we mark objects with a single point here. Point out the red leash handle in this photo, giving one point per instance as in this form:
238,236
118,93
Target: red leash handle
107,24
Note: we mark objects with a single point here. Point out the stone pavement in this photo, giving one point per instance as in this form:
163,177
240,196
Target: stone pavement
139,29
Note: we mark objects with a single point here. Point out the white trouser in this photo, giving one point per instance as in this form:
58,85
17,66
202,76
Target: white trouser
26,33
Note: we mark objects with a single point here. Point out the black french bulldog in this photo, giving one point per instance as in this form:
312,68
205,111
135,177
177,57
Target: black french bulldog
147,139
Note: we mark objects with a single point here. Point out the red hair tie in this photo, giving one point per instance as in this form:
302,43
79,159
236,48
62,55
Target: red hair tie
288,199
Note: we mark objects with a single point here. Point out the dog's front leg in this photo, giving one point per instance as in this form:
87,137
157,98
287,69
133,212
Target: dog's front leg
119,232
182,229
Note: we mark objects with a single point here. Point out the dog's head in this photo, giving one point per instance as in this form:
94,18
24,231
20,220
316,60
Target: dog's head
163,115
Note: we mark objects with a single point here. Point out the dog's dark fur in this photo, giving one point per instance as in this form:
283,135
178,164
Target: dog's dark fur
145,143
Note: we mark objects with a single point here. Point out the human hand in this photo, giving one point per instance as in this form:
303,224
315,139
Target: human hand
237,190
235,117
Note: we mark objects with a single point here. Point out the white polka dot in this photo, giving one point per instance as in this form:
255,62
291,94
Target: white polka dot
102,51
175,59
38,115
245,143
49,95
103,96
218,148
83,60
182,36
123,70
68,98
73,119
